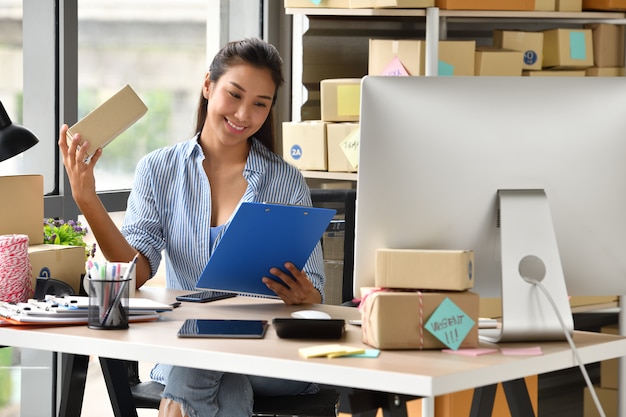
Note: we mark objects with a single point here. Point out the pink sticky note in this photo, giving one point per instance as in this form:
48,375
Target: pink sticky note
530,351
470,352
395,68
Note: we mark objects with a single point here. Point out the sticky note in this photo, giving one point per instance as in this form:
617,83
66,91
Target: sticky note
350,147
329,351
471,352
577,47
445,69
395,68
449,324
348,99
316,2
529,351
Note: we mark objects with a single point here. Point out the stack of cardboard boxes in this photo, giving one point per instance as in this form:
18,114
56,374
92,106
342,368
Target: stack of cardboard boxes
22,213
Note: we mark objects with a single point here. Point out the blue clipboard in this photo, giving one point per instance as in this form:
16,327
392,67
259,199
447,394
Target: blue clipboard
262,236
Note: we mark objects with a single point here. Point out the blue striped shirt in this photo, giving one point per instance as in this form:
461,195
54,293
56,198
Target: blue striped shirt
169,208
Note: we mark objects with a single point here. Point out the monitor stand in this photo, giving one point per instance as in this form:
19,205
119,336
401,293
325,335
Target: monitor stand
529,250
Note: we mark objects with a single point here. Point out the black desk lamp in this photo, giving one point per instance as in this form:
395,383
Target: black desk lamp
13,139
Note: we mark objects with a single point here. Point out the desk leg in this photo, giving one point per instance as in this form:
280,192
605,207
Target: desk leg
115,372
516,394
73,384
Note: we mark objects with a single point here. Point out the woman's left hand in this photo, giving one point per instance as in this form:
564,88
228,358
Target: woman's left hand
300,291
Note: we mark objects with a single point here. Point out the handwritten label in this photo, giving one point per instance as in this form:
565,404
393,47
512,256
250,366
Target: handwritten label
395,68
350,147
449,324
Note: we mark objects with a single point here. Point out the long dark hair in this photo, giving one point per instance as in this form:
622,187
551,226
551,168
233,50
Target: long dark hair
251,51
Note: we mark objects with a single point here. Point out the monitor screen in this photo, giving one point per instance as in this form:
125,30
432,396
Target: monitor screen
436,152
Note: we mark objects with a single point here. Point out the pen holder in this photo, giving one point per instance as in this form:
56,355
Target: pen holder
108,304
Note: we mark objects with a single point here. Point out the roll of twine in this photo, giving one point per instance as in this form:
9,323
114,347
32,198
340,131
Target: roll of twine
15,269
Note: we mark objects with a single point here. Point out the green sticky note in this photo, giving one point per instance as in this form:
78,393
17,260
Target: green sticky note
445,69
577,47
449,324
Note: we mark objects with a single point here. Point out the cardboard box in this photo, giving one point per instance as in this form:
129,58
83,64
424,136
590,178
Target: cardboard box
340,99
609,369
456,58
304,144
486,4
335,134
441,270
545,5
335,4
529,43
616,5
567,48
22,208
404,4
569,5
608,44
393,319
61,262
605,72
498,62
555,73
607,397
410,52
460,403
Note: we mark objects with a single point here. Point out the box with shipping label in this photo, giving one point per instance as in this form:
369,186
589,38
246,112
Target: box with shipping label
608,44
409,319
456,58
340,99
529,43
486,4
569,5
605,72
304,144
498,62
396,57
21,210
336,133
61,262
554,73
545,5
444,270
615,5
567,48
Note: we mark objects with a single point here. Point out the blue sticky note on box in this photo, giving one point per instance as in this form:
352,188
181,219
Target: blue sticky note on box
577,47
449,324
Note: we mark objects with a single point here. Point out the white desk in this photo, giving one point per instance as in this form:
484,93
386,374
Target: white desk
414,373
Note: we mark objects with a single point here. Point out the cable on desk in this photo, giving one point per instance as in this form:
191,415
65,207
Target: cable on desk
583,370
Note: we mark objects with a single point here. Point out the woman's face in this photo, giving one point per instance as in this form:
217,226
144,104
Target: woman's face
239,103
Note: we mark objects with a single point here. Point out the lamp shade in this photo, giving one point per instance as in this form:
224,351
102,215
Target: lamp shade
13,139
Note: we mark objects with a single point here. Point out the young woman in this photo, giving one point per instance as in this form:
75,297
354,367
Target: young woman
186,192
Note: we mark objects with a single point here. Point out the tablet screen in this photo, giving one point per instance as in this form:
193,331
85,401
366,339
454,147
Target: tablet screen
223,328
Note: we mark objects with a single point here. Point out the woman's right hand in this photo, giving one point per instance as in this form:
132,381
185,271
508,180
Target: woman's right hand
78,167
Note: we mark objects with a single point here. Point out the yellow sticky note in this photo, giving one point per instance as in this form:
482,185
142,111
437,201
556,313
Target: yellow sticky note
348,99
350,147
330,351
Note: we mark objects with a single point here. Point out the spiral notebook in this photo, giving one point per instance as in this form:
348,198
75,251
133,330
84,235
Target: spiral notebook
262,236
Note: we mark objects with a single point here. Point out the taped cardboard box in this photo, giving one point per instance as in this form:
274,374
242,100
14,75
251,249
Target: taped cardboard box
498,62
529,43
486,4
22,208
61,262
304,144
340,99
605,72
393,319
614,5
569,5
608,44
333,4
567,48
445,270
335,135
545,5
554,73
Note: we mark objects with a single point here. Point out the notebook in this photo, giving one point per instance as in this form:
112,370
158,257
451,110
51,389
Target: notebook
262,236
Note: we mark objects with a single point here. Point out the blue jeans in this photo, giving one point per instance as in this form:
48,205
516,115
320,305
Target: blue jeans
203,393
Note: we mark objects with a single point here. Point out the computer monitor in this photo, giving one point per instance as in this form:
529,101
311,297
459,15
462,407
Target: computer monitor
440,156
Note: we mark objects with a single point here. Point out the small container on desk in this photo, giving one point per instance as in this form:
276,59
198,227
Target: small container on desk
108,303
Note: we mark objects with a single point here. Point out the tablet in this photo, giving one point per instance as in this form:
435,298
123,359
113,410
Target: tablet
218,328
